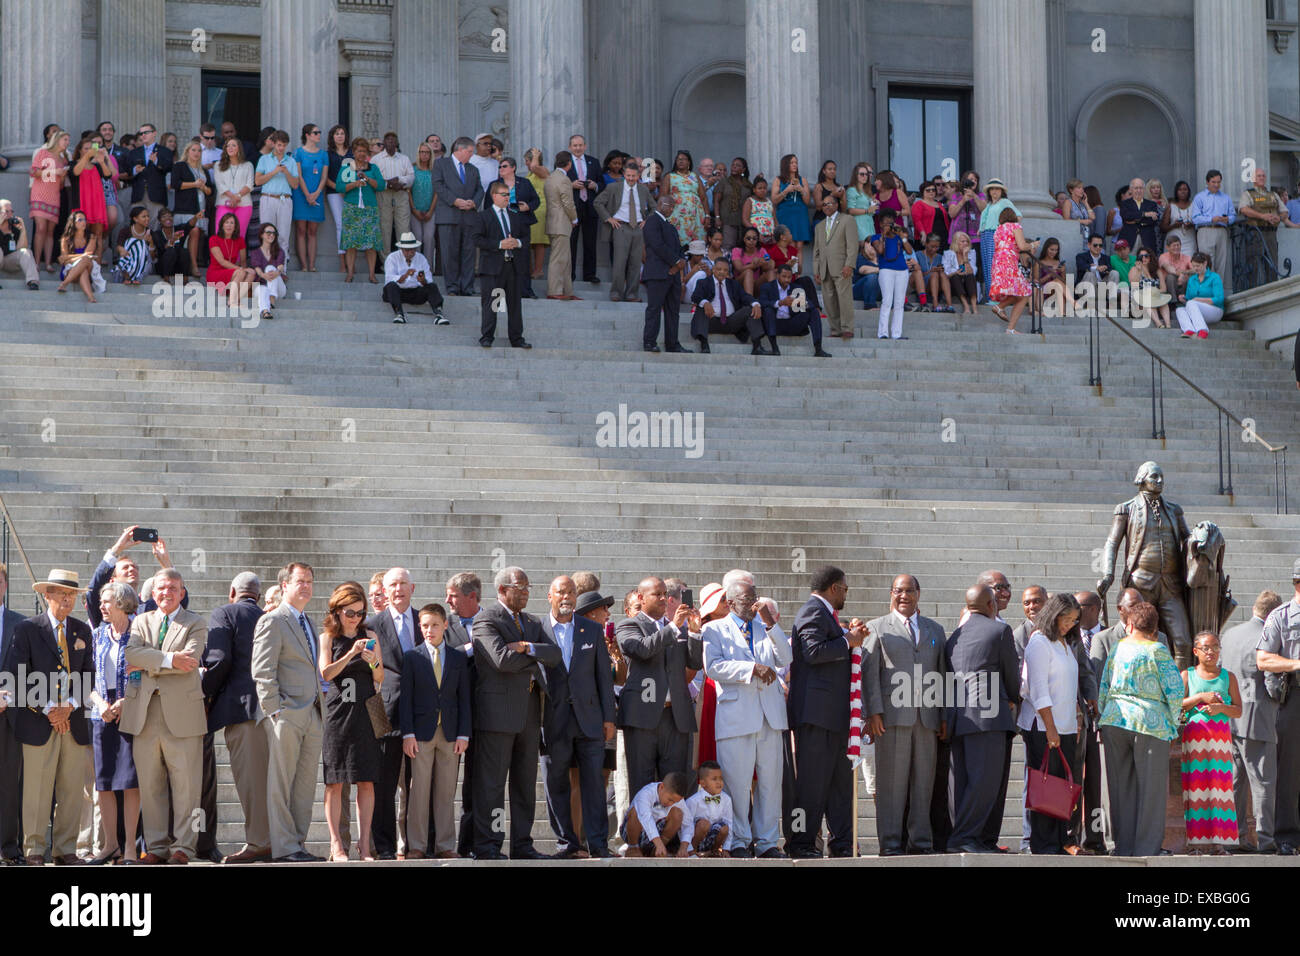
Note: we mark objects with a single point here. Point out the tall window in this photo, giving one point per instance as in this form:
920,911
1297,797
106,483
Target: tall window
928,128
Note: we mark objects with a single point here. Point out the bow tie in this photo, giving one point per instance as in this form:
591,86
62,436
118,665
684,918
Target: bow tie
714,799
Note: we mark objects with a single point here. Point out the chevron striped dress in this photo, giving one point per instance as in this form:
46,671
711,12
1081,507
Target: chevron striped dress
1208,804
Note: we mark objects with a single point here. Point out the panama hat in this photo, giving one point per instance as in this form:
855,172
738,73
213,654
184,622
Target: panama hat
59,578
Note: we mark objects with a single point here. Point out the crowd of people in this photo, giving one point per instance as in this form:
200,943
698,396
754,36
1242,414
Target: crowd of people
104,209
706,726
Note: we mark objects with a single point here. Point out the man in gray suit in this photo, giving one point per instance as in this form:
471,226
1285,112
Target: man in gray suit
901,649
287,675
11,751
655,708
1254,733
460,193
622,207
464,591
982,654
1278,655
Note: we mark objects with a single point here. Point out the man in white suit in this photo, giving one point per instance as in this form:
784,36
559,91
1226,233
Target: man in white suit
742,654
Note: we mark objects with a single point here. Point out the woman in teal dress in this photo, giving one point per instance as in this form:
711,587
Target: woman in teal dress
792,198
309,197
359,181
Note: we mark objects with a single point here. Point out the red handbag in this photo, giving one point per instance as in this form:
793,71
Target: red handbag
1053,796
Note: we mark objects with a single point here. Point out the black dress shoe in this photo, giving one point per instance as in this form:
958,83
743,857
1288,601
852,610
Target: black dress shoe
602,853
821,353
759,350
776,349
773,853
741,853
212,856
1286,849
704,344
486,343
520,345
390,855
650,348
594,280
488,855
804,855
571,853
529,853
891,853
111,857
679,348
301,856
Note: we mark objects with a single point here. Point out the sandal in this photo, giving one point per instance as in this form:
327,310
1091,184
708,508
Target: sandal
347,278
1012,331
997,310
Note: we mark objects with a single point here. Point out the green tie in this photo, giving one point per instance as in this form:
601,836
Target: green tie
162,631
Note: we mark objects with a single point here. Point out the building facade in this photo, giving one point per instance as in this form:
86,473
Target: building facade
1032,91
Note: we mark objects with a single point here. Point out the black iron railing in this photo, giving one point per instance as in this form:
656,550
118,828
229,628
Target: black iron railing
1254,256
6,529
1226,419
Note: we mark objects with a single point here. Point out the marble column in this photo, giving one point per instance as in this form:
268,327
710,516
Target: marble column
547,45
1231,89
300,65
629,111
1010,102
133,65
40,46
426,71
845,75
783,86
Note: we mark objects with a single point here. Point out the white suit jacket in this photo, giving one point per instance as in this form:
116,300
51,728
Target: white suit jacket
743,700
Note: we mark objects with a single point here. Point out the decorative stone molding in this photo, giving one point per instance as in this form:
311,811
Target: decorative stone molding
370,98
368,57
1279,31
1182,137
178,99
476,26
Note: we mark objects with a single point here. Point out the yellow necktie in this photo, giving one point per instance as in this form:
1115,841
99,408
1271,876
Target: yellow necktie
63,649
437,665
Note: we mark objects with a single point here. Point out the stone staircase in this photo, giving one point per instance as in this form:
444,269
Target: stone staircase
331,435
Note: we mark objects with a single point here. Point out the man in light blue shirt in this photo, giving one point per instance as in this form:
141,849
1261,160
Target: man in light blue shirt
277,174
1212,213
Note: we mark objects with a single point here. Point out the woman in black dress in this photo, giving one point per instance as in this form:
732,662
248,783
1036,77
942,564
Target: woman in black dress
350,661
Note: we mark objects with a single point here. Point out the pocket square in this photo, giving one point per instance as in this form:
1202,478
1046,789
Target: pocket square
587,647
80,645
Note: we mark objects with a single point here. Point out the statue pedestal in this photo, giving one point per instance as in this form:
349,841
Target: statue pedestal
1175,822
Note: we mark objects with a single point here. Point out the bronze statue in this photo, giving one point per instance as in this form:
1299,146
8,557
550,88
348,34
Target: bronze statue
1209,600
1155,536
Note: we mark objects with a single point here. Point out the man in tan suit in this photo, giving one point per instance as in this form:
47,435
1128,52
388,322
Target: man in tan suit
623,207
163,711
835,253
286,672
561,216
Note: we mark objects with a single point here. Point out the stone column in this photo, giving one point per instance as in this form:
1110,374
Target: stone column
783,87
1010,103
300,65
629,110
133,65
426,71
40,45
1231,89
547,44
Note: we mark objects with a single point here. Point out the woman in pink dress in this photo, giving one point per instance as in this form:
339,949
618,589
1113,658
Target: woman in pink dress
48,173
90,168
1009,286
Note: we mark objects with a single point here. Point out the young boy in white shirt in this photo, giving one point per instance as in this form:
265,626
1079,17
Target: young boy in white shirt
708,810
654,822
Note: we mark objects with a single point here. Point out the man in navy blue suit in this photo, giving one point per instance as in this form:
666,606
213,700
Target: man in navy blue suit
11,751
148,165
577,720
982,653
661,277
588,180
819,714
232,705
434,719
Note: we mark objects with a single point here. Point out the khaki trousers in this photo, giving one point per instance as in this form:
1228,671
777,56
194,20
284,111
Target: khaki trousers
292,773
433,769
559,280
249,756
20,260
394,209
162,758
56,770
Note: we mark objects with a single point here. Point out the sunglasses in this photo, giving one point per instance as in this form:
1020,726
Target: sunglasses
351,614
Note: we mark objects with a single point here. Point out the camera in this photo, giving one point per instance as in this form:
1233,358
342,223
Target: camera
968,184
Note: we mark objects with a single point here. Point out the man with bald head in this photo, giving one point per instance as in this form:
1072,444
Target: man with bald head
577,719
398,630
982,653
511,654
1140,217
903,653
656,711
1032,600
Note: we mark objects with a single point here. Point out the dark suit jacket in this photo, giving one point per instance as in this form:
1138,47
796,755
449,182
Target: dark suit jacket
423,699
983,652
505,675
524,193
36,651
819,670
152,180
657,660
7,628
769,293
663,248
1133,223
1083,265
390,649
594,173
585,691
487,236
228,681
448,188
705,290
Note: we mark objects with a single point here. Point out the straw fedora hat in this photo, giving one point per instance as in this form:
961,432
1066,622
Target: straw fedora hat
61,579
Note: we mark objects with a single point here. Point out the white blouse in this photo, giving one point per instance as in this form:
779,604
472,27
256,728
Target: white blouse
232,180
1049,678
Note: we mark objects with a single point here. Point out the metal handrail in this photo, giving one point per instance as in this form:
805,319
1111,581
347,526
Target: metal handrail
1269,343
1226,417
1252,265
6,526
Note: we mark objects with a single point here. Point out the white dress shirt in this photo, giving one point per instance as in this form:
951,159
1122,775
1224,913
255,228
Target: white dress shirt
830,222
1050,679
624,213
489,169
398,166
721,304
395,267
782,311
650,812
699,806
408,621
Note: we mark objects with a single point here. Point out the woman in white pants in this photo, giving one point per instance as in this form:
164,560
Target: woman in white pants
891,247
1204,299
268,261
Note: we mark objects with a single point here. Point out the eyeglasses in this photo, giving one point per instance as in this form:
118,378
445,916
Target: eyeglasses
516,587
899,592
352,615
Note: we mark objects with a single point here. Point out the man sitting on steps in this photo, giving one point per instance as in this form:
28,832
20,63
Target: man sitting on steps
408,279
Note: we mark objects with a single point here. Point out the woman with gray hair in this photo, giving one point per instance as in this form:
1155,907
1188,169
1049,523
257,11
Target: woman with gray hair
114,763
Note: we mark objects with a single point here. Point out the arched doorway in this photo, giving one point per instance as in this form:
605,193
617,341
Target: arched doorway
1125,131
708,115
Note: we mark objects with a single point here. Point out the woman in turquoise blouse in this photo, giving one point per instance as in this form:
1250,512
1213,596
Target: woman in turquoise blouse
997,201
359,180
423,202
1204,299
1140,699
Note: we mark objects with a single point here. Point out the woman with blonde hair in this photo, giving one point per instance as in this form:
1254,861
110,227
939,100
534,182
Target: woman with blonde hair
48,173
538,239
960,266
351,663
